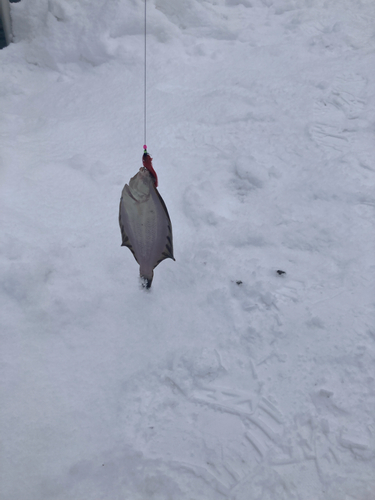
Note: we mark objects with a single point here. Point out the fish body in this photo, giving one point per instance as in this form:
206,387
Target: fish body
145,225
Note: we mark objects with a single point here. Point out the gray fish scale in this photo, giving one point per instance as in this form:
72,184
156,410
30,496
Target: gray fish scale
145,225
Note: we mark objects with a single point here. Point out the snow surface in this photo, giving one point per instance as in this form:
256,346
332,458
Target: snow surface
228,380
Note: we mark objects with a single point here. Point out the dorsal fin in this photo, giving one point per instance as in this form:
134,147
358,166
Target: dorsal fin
168,249
125,237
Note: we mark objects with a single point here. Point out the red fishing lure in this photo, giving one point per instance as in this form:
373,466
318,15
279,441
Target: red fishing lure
147,163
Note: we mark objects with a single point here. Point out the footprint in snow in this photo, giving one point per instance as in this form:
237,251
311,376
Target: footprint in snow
335,114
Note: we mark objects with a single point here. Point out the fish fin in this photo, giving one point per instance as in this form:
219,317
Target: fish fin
167,252
146,282
125,238
163,205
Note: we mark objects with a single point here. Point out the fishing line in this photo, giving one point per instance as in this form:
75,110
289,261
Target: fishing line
145,82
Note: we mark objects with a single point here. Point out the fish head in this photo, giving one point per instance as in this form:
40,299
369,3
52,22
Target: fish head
140,185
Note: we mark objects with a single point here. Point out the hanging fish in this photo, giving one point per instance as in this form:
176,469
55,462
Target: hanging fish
145,225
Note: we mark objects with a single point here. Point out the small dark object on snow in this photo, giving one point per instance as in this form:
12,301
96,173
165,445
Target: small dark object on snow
239,282
280,272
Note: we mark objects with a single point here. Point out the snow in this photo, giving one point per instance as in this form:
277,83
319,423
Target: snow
227,380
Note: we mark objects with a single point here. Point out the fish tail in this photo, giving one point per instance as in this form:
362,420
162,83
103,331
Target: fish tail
146,281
